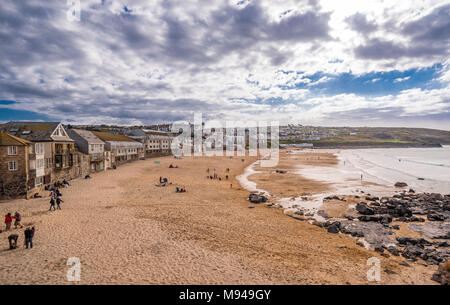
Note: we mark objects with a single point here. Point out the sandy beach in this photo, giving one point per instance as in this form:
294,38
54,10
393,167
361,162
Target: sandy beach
126,230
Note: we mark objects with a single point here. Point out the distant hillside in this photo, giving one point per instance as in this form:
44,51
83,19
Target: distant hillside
345,137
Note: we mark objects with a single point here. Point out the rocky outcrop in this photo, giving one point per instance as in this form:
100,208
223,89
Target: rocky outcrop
254,198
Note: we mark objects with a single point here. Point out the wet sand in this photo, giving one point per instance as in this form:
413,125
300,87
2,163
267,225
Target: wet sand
124,229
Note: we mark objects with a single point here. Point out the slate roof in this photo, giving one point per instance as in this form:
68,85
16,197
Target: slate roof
32,131
89,136
10,140
106,136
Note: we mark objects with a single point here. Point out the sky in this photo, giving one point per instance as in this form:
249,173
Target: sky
312,62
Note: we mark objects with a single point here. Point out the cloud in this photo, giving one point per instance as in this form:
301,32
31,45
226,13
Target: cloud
359,22
426,36
158,61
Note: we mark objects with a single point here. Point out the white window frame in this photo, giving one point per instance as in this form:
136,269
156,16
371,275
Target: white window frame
40,163
39,148
14,167
12,150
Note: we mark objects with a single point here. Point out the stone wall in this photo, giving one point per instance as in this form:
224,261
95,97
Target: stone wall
13,183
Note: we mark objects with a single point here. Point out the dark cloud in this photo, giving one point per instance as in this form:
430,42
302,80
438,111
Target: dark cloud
429,36
358,22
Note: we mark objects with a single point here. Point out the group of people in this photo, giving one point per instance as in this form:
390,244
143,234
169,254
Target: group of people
12,238
173,166
57,184
29,235
215,176
180,189
55,198
9,218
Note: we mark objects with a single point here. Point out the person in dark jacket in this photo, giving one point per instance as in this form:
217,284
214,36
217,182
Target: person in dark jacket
29,234
12,239
58,202
52,204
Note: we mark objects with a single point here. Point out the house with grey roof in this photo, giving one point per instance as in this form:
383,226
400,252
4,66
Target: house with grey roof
90,144
53,155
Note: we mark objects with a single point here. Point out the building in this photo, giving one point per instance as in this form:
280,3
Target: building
53,156
122,149
90,144
15,177
157,143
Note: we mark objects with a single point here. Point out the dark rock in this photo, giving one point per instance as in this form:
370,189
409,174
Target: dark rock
369,218
413,241
379,249
400,184
349,217
416,219
435,217
440,244
404,264
254,198
385,219
396,227
333,228
393,250
412,252
363,209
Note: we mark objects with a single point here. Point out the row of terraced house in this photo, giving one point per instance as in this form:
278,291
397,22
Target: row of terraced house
36,154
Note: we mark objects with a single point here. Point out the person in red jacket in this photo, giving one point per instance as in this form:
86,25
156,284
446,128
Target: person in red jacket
8,220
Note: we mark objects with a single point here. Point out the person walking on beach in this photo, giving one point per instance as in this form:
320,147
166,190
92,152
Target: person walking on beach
58,202
29,234
8,220
18,219
52,204
361,176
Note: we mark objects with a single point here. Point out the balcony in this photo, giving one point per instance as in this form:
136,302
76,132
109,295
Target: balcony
97,157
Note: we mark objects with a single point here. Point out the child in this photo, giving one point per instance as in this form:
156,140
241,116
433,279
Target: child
52,204
8,220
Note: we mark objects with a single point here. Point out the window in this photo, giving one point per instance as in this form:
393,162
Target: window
12,165
39,148
12,150
39,163
48,163
92,147
39,180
